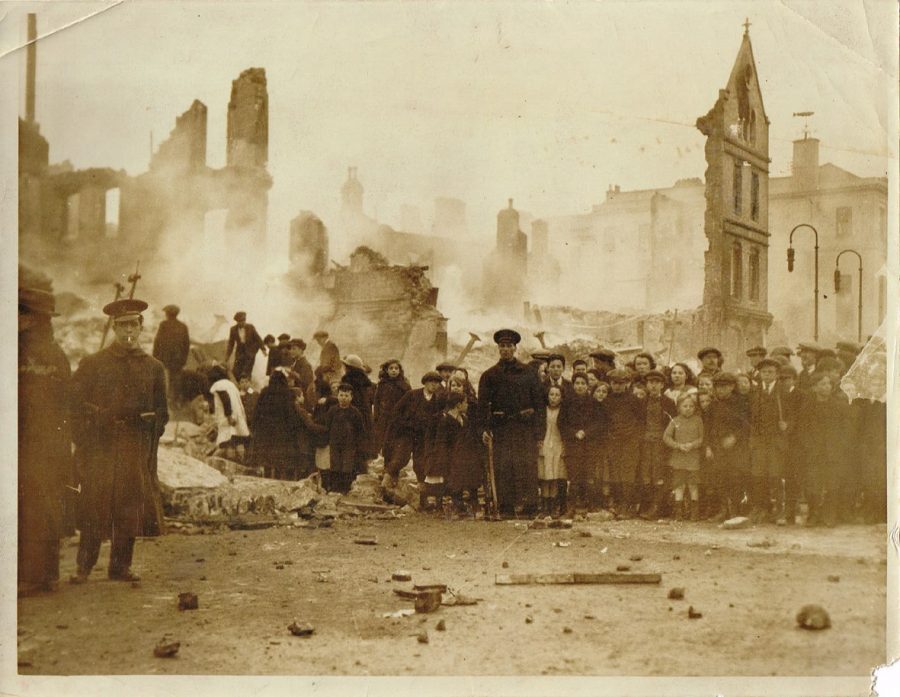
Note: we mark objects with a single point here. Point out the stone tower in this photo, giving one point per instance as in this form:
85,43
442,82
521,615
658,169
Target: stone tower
352,194
735,293
506,267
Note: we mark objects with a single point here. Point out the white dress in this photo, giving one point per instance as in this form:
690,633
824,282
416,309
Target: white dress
225,430
551,463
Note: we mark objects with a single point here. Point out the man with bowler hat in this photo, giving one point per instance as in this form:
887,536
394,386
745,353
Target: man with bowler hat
119,413
512,415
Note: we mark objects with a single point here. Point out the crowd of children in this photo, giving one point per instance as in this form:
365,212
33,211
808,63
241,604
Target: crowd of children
636,440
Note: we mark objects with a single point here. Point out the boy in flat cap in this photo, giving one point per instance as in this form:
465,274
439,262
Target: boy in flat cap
415,413
729,426
512,415
243,342
711,361
659,410
624,419
755,354
809,356
171,347
119,401
768,444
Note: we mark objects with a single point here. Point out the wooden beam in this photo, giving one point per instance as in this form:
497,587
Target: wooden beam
574,578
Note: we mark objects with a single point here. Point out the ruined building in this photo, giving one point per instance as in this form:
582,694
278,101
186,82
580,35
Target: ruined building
506,267
62,210
543,266
308,245
735,312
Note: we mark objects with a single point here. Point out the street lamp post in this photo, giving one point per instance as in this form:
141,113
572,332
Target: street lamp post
790,260
837,288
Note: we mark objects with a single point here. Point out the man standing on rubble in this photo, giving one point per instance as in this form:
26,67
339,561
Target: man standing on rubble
512,415
329,357
171,347
119,413
244,341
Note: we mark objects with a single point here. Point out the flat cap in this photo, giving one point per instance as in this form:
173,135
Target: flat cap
284,337
300,343
809,346
788,369
768,362
757,351
432,376
541,356
618,375
654,375
321,334
124,307
849,347
172,310
604,355
240,316
781,351
706,351
445,366
724,378
510,336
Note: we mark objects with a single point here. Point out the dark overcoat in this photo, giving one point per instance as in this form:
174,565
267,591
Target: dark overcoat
457,454
362,401
387,393
275,426
244,351
172,344
45,452
119,412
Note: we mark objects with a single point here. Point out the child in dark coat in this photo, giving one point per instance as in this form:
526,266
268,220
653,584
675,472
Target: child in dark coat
727,449
659,410
579,425
456,453
768,443
346,439
624,418
392,385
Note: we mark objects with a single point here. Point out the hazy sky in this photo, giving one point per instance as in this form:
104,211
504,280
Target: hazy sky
548,103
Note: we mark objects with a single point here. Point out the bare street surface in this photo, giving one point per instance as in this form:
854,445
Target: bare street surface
748,585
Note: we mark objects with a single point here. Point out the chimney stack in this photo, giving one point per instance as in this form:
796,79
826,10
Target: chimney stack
805,167
31,66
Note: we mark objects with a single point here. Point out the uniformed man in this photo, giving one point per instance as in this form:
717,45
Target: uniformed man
119,413
45,456
512,416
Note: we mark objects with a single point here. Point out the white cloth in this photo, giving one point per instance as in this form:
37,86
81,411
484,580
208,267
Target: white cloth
674,394
227,431
551,464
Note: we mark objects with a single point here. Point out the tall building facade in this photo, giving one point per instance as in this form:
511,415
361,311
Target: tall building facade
736,222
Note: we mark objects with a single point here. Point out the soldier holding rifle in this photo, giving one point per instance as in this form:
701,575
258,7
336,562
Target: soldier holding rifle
119,413
513,413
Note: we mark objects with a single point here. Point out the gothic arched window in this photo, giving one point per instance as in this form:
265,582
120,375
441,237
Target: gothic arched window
737,270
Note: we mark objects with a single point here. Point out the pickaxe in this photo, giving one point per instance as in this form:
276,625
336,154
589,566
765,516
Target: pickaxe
540,337
473,337
119,290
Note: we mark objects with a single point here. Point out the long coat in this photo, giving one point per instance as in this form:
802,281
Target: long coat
275,425
172,344
119,403
45,456
387,393
362,400
457,454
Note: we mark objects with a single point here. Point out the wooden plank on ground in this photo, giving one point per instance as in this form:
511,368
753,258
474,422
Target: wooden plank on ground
574,578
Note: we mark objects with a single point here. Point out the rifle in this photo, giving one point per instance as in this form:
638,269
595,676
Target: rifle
491,498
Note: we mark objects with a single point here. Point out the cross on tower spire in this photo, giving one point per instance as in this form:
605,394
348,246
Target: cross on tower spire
746,26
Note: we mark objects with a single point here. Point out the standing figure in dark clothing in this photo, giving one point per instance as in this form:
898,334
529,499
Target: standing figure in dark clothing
580,426
355,376
407,435
329,357
768,443
273,357
119,402
624,426
243,341
171,347
512,417
727,446
392,385
344,425
278,353
274,426
301,371
456,453
659,410
45,457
